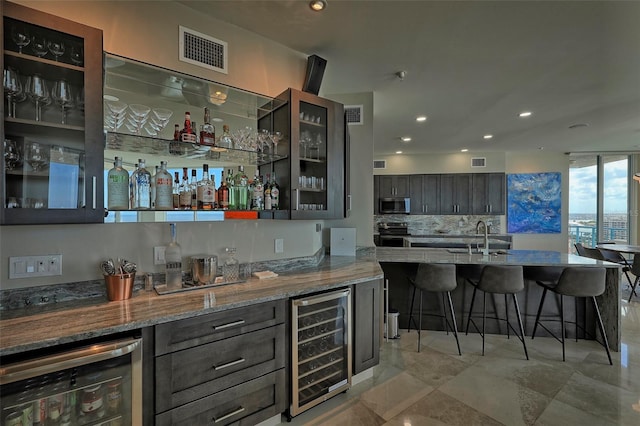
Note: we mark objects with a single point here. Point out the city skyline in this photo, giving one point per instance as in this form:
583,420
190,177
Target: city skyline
583,188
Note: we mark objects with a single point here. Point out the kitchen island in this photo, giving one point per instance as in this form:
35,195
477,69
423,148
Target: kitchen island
400,264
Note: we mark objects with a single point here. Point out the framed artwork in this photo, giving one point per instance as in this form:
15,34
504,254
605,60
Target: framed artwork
534,202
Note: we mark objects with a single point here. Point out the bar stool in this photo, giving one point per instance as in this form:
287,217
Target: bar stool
436,278
576,281
499,279
592,253
635,270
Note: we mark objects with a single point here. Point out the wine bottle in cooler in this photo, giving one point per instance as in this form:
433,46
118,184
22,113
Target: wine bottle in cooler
164,188
173,260
118,187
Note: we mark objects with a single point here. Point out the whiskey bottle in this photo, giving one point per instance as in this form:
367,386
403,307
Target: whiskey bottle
275,193
141,187
187,134
185,191
176,190
205,191
207,131
118,187
223,194
175,148
193,186
225,141
164,188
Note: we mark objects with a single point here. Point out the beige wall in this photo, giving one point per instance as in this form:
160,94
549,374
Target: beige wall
440,163
148,31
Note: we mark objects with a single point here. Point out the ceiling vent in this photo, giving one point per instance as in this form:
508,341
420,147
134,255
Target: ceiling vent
479,162
203,50
353,114
379,164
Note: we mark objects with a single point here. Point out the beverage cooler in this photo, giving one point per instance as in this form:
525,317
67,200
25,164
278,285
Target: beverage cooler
321,348
94,385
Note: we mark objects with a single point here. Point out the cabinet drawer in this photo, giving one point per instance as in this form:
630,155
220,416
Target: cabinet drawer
245,404
184,376
196,331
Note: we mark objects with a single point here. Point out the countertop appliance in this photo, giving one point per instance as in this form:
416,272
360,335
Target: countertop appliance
98,384
391,234
321,348
394,205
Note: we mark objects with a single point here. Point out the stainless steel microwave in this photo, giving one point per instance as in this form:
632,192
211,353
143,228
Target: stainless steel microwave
394,205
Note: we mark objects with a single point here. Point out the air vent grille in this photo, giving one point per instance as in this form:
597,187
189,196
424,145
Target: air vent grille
353,114
379,164
479,162
203,50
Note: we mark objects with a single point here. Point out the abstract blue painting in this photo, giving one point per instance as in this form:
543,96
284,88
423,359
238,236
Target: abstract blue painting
534,203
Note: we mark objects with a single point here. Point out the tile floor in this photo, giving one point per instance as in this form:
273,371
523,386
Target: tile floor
439,387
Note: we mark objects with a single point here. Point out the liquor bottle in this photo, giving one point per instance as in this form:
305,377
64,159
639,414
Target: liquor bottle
135,169
241,183
225,141
164,188
176,190
118,187
153,188
275,193
173,260
187,134
257,192
215,191
185,190
233,193
175,148
205,197
267,193
141,187
223,194
193,186
207,131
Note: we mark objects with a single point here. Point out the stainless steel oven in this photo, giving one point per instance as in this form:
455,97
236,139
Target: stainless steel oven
97,385
392,234
321,348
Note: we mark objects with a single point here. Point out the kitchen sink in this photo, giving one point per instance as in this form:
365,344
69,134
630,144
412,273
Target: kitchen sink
476,251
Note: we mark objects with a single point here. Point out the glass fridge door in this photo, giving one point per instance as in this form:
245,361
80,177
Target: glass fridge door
96,385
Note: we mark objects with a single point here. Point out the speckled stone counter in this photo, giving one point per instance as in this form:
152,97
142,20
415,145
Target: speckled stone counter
35,328
401,263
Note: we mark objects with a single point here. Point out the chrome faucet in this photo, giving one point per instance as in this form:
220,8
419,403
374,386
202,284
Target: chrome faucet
485,248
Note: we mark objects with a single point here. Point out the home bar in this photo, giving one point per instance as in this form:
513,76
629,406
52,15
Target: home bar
222,212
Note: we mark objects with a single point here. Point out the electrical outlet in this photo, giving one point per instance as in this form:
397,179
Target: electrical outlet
279,245
158,255
35,266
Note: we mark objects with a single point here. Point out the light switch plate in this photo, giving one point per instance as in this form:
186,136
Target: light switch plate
35,266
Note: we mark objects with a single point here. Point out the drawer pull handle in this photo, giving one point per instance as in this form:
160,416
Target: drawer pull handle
227,325
229,364
231,414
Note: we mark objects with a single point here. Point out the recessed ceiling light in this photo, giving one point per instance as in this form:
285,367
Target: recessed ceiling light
217,120
398,152
525,114
487,136
110,98
318,5
406,139
421,118
578,125
464,150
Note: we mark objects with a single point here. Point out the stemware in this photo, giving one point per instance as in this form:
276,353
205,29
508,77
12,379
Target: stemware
12,158
114,119
56,47
20,36
38,92
76,53
138,116
63,96
276,137
39,46
12,89
36,157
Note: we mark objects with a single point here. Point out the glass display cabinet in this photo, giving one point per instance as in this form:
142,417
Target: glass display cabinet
52,119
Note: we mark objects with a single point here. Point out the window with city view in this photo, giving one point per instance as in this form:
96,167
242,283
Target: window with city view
584,224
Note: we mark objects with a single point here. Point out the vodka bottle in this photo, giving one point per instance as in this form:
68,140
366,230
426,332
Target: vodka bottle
176,190
207,131
275,193
206,189
118,187
135,169
193,186
257,193
185,190
225,141
267,194
164,188
141,187
223,194
173,260
153,188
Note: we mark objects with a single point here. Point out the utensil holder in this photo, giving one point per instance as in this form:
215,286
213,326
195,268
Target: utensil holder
119,286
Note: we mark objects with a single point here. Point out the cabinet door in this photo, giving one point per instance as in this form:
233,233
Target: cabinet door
376,194
431,194
416,194
489,193
367,319
53,139
395,186
455,190
386,186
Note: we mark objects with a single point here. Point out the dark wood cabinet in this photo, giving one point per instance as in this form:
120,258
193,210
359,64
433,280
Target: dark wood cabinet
489,193
53,165
393,186
425,194
367,324
455,193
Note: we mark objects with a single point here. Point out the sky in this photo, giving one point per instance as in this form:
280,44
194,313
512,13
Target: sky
582,188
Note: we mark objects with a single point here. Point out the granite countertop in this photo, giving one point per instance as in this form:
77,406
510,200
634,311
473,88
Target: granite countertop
29,328
458,239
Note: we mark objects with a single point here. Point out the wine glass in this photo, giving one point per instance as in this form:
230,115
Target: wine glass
276,137
36,157
63,96
38,92
12,158
76,54
20,36
39,46
12,89
56,47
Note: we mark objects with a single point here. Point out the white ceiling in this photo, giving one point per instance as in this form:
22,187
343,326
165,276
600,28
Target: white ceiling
471,67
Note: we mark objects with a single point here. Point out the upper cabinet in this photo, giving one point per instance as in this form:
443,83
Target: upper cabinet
393,186
489,190
425,194
52,119
309,162
455,193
